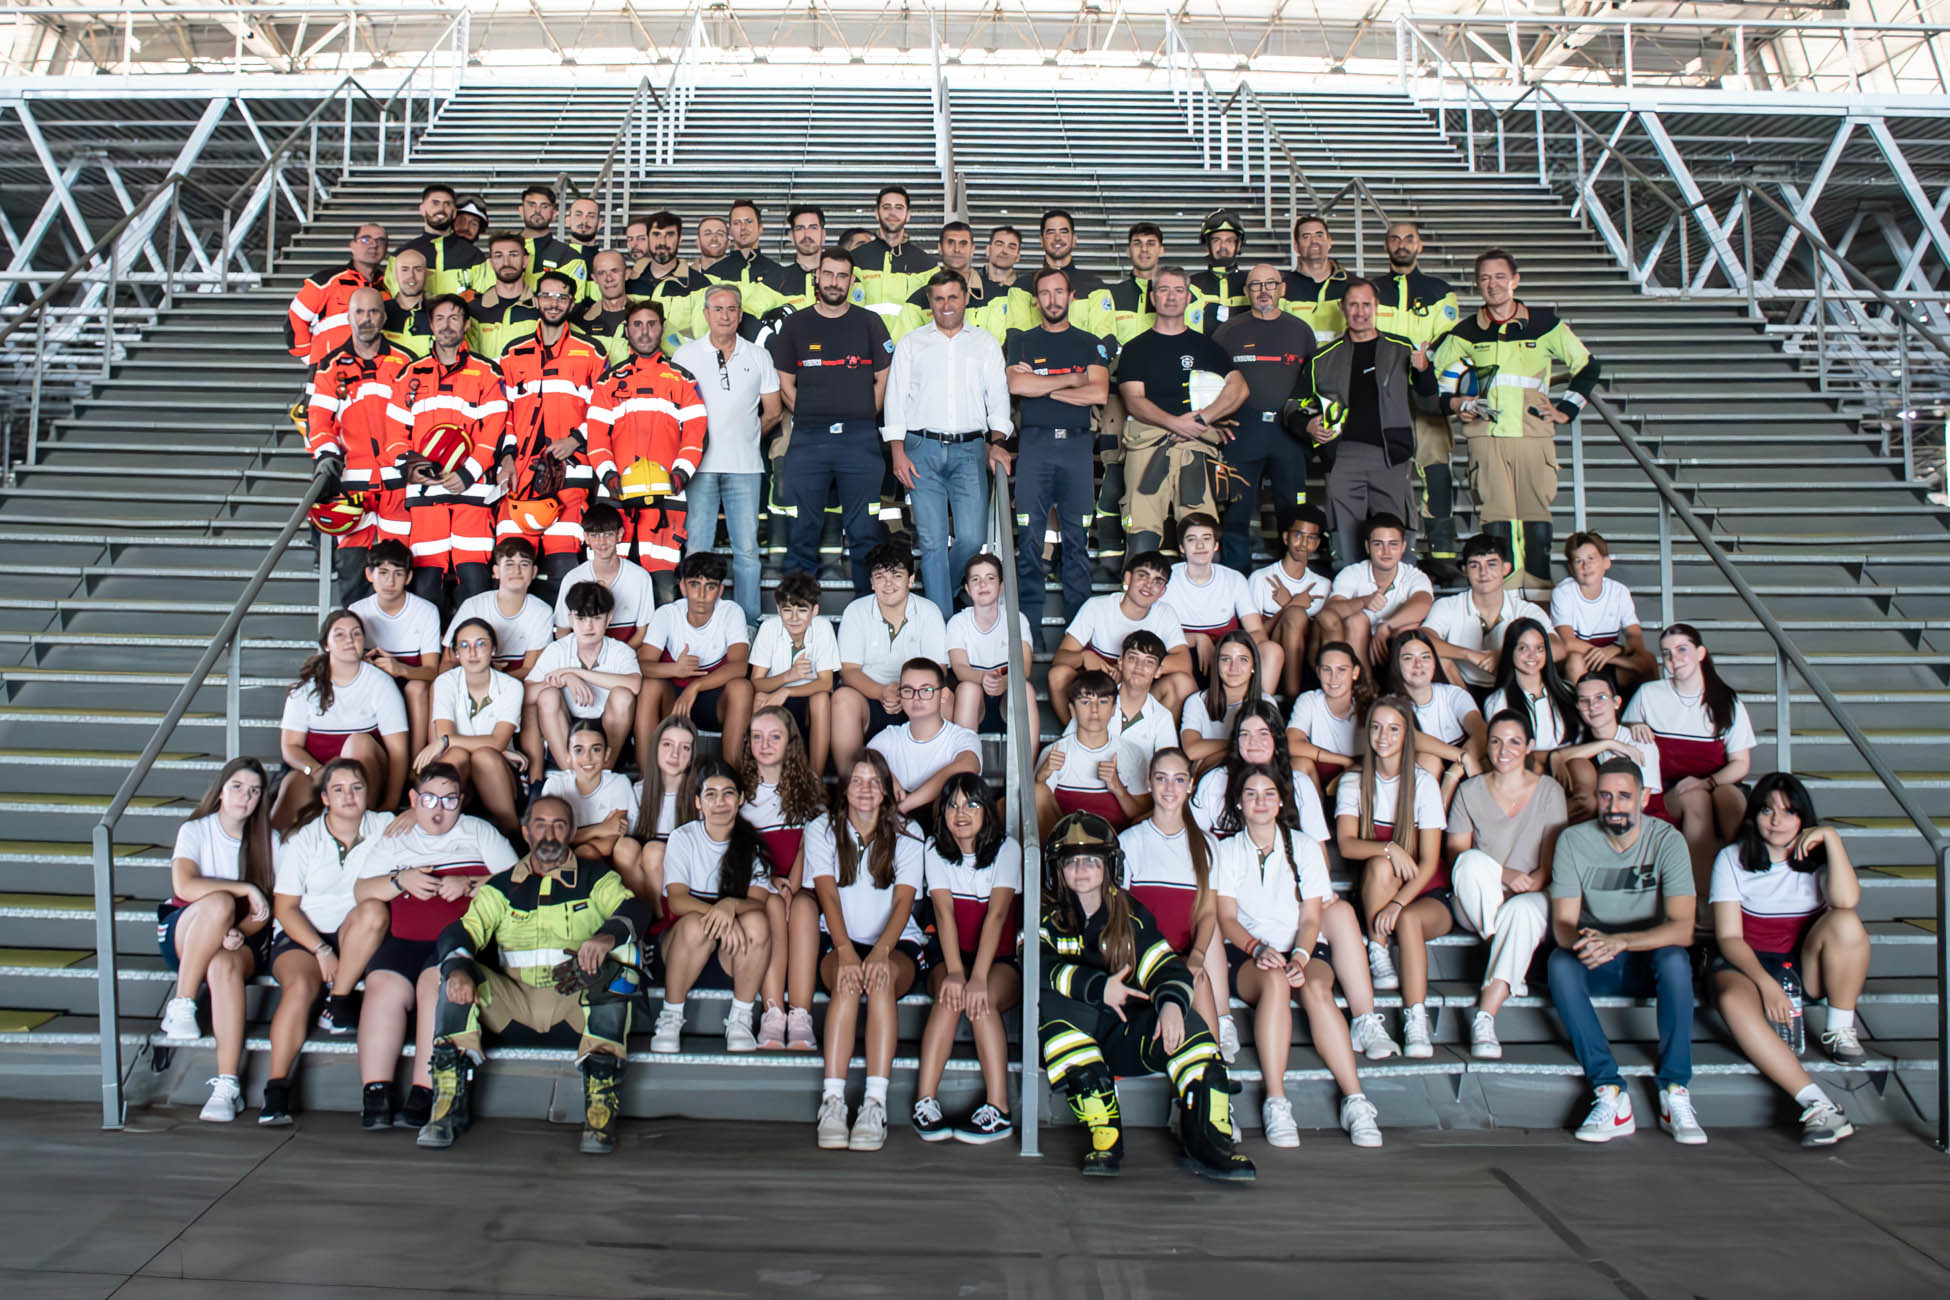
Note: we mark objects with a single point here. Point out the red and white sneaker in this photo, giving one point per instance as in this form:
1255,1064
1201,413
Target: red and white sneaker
1610,1117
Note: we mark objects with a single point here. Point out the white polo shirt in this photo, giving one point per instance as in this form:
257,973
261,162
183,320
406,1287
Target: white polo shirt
1449,707
1101,625
731,410
865,909
773,652
369,702
612,794
1455,620
867,639
1209,800
1221,602
1268,891
693,859
453,702
314,868
1314,718
1602,621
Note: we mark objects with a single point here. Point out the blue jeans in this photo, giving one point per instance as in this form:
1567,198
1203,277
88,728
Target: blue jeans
1666,973
817,459
738,493
950,479
1055,472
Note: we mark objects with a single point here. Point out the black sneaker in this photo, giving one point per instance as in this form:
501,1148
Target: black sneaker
929,1122
277,1104
376,1107
340,1016
986,1125
417,1110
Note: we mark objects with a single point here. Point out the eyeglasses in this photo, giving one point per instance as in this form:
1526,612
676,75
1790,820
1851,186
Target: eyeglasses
553,297
1264,284
451,802
919,692
369,239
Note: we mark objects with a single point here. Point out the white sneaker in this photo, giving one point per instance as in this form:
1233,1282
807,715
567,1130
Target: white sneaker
1843,1045
1382,967
1677,1117
832,1124
738,1035
226,1100
1370,1038
1358,1119
869,1127
1228,1040
1610,1117
1823,1124
1276,1122
669,1033
179,1020
1484,1045
1415,1033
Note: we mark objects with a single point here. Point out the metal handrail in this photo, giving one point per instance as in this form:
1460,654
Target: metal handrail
108,998
1020,792
433,47
88,259
674,104
628,131
1786,655
954,190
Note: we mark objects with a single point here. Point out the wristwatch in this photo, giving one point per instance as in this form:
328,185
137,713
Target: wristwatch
1198,418
322,947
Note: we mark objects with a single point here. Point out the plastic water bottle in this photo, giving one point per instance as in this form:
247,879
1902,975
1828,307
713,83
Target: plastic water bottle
1793,1031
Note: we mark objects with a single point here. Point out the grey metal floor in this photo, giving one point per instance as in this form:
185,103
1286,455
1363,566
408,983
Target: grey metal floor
182,1209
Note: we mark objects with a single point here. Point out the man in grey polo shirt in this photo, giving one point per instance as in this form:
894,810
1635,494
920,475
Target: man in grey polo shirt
740,387
1622,908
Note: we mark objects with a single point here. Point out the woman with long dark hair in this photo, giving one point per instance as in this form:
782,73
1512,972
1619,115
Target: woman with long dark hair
1167,861
782,796
1320,734
1451,742
1527,680
476,715
340,705
1784,899
717,878
974,879
666,798
216,927
1705,741
864,863
1235,686
1257,737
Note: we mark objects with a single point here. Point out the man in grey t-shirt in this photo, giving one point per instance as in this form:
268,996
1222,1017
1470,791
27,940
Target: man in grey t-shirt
1622,909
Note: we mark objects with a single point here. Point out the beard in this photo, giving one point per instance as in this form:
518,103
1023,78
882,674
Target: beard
1616,824
548,852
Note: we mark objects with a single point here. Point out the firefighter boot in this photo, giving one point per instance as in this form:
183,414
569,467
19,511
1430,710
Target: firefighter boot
1206,1130
1093,1100
453,1077
600,1071
1536,559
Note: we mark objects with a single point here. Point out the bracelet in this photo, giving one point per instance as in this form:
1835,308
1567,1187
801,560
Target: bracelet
1258,948
322,947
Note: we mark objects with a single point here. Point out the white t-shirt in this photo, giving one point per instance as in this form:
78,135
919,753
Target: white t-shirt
216,855
864,908
371,701
1428,802
1776,905
1357,580
865,640
1220,603
1209,800
1315,718
1269,893
453,702
971,887
612,793
666,810
692,859
1314,586
766,811
611,657
531,629
1681,718
407,636
1455,620
732,413
1602,621
1152,730
1550,728
1077,773
1158,871
634,596
311,867
985,650
1646,756
914,762
772,651
1101,625
1449,707
1198,718
670,631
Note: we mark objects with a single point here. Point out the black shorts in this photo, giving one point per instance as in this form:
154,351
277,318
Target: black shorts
800,707
1237,961
285,943
995,715
405,958
914,951
704,709
935,957
1774,963
878,719
167,914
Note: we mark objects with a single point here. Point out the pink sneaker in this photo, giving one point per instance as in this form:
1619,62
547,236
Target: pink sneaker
799,1031
771,1028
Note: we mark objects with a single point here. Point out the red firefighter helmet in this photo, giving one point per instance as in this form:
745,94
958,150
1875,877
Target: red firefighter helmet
446,446
340,515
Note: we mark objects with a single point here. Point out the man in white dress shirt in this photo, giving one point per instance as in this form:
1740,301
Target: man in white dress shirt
946,417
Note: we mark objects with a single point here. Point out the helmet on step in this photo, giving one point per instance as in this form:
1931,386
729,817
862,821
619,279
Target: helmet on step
446,446
1084,835
645,478
340,515
534,517
1217,221
300,414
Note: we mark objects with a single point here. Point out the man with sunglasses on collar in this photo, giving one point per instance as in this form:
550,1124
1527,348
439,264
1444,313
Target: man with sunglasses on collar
740,388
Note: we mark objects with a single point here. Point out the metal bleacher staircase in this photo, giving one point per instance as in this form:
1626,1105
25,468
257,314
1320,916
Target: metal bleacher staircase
146,511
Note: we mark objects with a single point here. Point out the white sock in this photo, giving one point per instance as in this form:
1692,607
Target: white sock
741,1010
1809,1095
1414,1007
833,1088
678,1007
877,1088
230,1079
1839,1019
1226,1018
